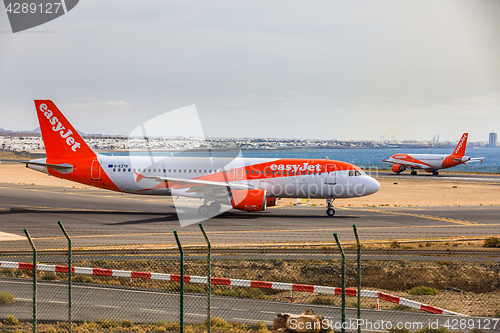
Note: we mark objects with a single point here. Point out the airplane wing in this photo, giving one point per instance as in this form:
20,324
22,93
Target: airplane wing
197,185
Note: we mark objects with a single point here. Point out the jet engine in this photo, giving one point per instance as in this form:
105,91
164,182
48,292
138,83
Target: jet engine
249,200
397,168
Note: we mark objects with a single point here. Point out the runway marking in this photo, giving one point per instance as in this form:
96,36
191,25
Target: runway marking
31,300
427,217
264,321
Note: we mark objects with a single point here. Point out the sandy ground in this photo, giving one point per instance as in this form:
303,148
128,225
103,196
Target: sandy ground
392,193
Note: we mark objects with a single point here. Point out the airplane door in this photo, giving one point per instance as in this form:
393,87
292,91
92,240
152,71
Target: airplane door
95,170
331,174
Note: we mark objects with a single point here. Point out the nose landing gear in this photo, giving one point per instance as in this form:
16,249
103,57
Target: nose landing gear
329,209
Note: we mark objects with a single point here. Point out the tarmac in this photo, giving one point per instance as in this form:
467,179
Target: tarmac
107,218
92,302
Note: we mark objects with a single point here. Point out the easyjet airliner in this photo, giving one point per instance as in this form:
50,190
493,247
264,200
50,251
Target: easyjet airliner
431,162
248,184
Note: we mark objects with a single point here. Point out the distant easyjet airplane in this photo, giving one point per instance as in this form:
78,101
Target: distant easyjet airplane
431,162
252,185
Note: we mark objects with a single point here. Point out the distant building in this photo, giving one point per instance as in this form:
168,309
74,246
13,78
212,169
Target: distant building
493,140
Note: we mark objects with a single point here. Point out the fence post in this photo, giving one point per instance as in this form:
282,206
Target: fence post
70,278
35,321
181,302
209,277
343,280
359,276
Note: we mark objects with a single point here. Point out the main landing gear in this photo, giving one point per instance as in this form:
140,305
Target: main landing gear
329,209
413,173
214,207
435,172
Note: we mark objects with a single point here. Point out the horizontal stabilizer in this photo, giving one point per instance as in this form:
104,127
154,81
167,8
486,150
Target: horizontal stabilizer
48,165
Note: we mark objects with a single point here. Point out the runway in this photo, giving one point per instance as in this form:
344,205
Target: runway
149,306
93,216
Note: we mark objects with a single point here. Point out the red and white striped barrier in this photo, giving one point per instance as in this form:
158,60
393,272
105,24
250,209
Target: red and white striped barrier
231,282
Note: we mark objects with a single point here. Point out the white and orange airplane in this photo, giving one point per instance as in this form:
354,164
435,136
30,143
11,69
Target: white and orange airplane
248,184
431,162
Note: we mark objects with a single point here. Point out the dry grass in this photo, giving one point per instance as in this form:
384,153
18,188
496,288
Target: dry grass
218,325
469,288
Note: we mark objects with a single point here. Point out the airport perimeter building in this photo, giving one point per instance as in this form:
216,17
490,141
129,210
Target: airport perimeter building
493,140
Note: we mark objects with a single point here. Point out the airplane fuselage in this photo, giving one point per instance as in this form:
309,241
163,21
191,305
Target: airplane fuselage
283,178
427,161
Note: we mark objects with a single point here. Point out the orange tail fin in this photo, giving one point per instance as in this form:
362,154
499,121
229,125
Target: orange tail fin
59,137
462,144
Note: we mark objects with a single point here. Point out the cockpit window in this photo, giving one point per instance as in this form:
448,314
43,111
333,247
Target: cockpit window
358,173
351,173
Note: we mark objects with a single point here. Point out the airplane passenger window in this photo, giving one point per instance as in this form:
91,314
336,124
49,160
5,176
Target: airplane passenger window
164,170
149,170
252,174
128,170
118,171
114,170
134,170
184,170
169,170
189,170
267,173
205,171
272,172
154,170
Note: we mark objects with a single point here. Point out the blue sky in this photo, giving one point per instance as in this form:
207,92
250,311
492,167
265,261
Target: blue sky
289,69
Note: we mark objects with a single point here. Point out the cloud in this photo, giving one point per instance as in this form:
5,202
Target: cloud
328,70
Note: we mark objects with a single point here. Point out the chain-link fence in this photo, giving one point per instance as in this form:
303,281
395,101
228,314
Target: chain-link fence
417,284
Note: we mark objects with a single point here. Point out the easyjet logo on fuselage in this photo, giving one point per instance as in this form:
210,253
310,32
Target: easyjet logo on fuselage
58,127
296,167
460,144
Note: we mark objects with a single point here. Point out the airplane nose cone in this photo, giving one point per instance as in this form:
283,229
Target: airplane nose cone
372,186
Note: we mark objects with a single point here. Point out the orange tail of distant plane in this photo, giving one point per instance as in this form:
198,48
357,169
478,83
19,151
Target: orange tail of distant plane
60,137
460,148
